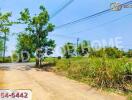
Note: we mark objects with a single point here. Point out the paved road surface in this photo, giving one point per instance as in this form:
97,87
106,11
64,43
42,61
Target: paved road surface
48,85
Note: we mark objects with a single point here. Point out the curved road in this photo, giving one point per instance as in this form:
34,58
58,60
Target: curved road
48,85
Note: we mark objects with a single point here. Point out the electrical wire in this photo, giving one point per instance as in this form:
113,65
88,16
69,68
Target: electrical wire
101,25
61,8
98,26
89,17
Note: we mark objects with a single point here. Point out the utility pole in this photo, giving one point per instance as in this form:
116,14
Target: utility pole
77,45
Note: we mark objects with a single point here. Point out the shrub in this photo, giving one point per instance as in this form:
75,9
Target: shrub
99,72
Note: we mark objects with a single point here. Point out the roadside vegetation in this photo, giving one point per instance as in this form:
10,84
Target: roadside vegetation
98,72
107,68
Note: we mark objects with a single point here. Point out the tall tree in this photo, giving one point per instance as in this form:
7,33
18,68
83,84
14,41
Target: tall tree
38,27
4,28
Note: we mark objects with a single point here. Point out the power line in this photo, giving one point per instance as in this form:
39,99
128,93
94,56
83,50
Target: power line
97,26
89,29
83,19
117,19
73,37
89,17
53,15
61,8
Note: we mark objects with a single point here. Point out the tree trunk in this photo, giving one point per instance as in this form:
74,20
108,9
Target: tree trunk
4,48
37,62
40,62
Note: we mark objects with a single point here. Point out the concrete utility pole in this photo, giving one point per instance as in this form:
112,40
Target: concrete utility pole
77,45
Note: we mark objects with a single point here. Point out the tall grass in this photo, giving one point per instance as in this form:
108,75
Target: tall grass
7,60
99,72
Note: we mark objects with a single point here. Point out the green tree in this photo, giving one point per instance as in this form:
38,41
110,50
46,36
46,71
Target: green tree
84,48
110,52
4,28
25,43
114,52
68,50
38,27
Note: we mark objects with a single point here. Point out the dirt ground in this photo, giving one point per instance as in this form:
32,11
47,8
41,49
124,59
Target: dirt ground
48,85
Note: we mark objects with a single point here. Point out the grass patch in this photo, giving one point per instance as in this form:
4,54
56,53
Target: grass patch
129,97
102,73
7,60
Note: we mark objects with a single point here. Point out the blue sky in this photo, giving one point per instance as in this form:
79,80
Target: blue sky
92,30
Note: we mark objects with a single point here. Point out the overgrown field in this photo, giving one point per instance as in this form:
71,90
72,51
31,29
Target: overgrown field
105,73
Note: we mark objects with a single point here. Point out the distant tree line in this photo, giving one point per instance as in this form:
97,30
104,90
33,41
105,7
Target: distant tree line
85,49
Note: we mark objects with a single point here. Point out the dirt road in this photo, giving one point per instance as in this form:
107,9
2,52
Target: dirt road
48,85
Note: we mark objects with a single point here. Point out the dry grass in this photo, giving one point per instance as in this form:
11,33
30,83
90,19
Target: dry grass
98,72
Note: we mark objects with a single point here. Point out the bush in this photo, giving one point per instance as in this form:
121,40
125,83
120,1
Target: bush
99,72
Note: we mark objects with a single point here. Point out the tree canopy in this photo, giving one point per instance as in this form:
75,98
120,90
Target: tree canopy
36,31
